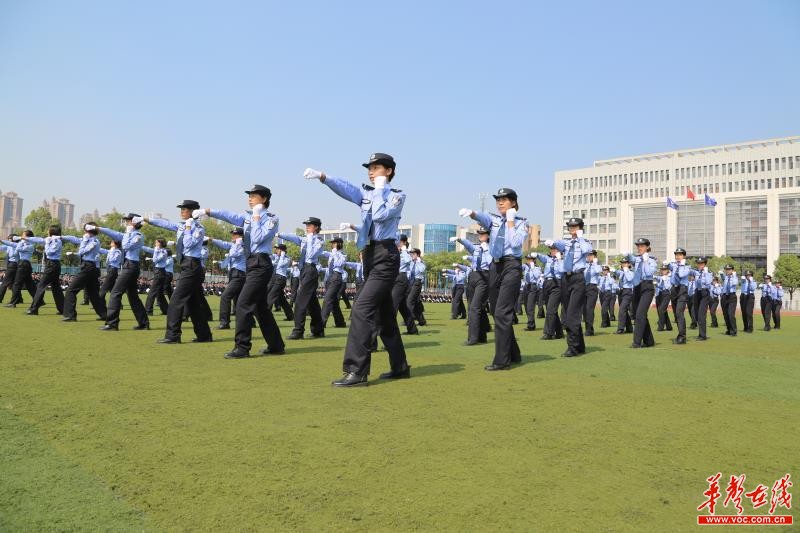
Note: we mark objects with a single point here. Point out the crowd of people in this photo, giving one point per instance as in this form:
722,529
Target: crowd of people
386,280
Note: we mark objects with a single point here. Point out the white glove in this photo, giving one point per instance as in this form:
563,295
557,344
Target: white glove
682,262
170,243
455,264
199,214
464,212
645,256
595,260
484,246
128,229
665,263
453,239
380,182
444,270
257,210
612,269
403,249
549,242
311,174
137,220
206,239
239,240
625,269
188,223
464,257
89,227
626,254
558,255
16,238
511,213
579,233
344,225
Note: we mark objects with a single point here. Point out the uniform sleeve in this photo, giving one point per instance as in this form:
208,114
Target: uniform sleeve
649,267
115,235
264,229
387,204
225,245
291,238
71,239
468,246
314,249
345,189
193,235
338,260
237,219
516,236
36,240
164,224
148,250
483,219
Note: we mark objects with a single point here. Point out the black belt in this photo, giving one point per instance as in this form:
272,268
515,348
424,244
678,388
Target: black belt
570,274
382,241
89,263
506,258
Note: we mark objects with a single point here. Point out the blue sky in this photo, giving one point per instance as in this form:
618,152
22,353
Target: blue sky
138,105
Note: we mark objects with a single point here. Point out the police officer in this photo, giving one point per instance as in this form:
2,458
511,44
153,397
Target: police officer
534,273
276,296
401,288
644,268
458,275
507,235
679,272
767,295
478,288
259,228
306,302
730,281
663,289
713,301
626,296
333,284
551,273
605,287
127,280
88,278
52,270
747,301
158,285
236,274
381,208
113,264
416,275
11,264
703,278
777,303
692,301
591,277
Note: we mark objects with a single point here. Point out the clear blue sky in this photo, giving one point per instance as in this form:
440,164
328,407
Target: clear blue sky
141,104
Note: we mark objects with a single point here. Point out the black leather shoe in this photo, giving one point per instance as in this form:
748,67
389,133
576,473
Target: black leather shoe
351,379
571,353
701,338
733,334
31,312
634,345
559,336
139,328
317,335
210,339
11,305
270,351
546,338
224,326
236,355
530,329
679,340
108,327
415,332
589,334
69,320
401,374
493,367
295,336
168,341
467,343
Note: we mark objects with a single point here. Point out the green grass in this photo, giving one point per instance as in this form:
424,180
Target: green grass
110,431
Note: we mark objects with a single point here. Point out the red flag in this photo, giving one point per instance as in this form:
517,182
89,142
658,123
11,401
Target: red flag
689,194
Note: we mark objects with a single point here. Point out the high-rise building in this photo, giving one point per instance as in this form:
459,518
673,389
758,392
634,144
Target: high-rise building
755,186
10,213
90,217
61,210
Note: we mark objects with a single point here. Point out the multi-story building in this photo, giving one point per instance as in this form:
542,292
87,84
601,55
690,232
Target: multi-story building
10,213
93,217
756,187
62,210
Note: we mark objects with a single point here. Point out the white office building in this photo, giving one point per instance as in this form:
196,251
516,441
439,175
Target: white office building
756,187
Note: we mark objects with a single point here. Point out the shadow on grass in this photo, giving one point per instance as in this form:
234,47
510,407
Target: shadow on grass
422,344
530,359
423,372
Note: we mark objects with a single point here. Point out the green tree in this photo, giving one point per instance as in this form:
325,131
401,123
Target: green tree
787,271
39,220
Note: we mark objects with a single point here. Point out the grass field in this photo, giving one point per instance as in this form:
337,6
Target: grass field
109,431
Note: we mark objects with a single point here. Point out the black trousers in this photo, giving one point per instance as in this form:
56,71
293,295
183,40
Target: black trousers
530,304
344,297
8,279
776,313
126,283
692,303
662,302
625,311
400,302
728,303
276,296
188,294
713,303
573,289
294,284
746,303
552,295
679,297
306,303
253,302
642,298
230,296
592,293
374,306
22,280
158,290
109,281
605,309
330,304
50,277
457,308
541,303
478,316
766,311
413,303
702,296
506,282
88,279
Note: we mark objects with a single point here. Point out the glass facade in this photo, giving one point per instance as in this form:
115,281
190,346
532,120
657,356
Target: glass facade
651,223
746,229
790,226
696,229
437,238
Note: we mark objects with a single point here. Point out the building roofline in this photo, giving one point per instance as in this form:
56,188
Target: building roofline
696,151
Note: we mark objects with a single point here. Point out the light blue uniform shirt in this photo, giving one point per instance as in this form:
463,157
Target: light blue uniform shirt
159,256
716,290
592,274
405,262
703,280
748,286
503,241
281,263
359,269
295,271
552,269
417,271
575,252
381,209
24,250
692,287
132,242
11,251
625,278
189,240
533,274
767,291
456,276
169,265
310,247
89,249
336,261
113,258
480,258
235,256
52,246
642,270
664,284
779,293
257,233
729,284
679,274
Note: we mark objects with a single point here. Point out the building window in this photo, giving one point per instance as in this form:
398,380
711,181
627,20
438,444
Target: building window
612,244
612,228
603,244
791,163
603,212
790,226
783,163
612,212
769,183
603,228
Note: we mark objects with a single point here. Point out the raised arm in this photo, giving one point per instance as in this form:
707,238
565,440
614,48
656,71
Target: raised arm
115,235
237,219
163,224
343,188
291,238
